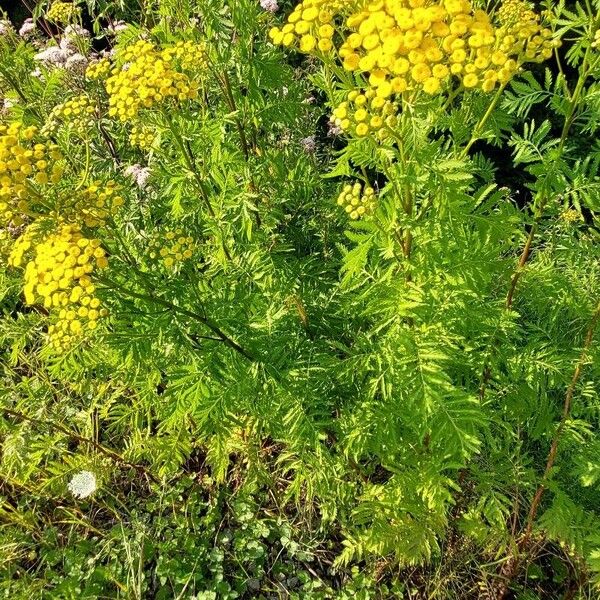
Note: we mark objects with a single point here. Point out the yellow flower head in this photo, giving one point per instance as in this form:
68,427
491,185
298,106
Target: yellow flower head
77,114
142,136
406,46
63,12
356,201
145,76
97,202
58,277
171,248
98,69
25,165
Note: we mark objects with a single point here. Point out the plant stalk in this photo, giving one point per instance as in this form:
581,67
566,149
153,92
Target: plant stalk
83,440
223,337
514,562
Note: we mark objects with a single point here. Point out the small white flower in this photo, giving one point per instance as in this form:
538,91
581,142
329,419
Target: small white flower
67,44
269,5
27,28
5,27
75,30
7,104
77,62
309,144
53,56
142,178
73,38
333,130
117,26
139,174
82,484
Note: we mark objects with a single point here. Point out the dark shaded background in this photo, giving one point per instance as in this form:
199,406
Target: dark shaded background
16,11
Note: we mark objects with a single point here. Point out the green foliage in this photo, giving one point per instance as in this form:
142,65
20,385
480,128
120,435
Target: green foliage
311,402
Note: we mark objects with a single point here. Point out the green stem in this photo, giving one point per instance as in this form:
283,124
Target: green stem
233,107
83,440
87,165
559,431
178,309
514,562
109,143
190,163
481,124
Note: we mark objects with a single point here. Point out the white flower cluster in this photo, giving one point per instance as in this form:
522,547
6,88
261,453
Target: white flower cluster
5,27
82,484
75,30
27,29
7,104
117,27
68,54
309,144
333,130
139,174
54,55
77,63
269,5
73,38
63,57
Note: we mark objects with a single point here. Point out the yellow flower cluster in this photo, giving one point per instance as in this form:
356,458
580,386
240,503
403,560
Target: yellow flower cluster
77,114
310,26
365,112
142,136
98,69
63,12
98,201
59,278
420,44
190,55
172,248
356,202
596,42
512,12
24,164
521,35
24,243
146,76
570,215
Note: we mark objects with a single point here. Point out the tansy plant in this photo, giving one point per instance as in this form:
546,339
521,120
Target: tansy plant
422,90
340,258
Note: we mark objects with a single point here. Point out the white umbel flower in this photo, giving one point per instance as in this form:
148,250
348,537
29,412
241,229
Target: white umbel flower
77,62
82,484
269,5
117,27
309,144
27,28
54,56
5,27
76,31
139,174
